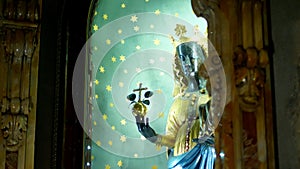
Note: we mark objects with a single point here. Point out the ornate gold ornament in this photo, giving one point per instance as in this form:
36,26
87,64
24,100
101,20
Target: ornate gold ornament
139,108
14,129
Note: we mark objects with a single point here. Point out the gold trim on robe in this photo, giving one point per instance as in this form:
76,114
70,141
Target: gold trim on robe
177,123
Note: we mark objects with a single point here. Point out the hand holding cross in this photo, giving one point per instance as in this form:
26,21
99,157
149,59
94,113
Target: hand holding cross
140,89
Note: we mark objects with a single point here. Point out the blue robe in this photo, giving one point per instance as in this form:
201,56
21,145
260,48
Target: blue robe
202,156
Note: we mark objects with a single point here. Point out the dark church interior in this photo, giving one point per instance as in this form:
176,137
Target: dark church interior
49,133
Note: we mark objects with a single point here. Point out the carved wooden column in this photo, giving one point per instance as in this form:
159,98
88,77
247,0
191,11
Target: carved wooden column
19,51
253,86
250,69
239,31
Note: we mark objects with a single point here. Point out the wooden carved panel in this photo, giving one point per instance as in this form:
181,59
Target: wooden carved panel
19,27
253,87
14,128
250,78
238,30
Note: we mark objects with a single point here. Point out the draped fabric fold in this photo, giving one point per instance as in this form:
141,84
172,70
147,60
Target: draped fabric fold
202,156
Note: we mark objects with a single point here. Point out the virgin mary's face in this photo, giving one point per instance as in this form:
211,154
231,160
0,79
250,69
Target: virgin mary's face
190,53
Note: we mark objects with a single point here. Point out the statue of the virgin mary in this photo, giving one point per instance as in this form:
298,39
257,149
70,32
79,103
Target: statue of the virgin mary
189,140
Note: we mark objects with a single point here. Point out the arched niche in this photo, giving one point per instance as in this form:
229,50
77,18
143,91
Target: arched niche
128,43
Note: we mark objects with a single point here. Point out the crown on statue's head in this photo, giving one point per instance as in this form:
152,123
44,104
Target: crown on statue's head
180,32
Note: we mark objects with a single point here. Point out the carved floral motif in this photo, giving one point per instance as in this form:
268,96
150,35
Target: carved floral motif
14,129
15,102
19,33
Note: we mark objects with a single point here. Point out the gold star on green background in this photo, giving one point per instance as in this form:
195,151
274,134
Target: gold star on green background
101,69
110,52
105,16
95,27
123,5
120,163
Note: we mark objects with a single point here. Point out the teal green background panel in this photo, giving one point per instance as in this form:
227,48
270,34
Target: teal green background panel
130,44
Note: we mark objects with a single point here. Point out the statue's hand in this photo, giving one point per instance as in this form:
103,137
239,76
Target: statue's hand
145,129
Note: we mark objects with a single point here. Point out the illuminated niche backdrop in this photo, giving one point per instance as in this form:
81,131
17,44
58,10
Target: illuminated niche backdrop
129,43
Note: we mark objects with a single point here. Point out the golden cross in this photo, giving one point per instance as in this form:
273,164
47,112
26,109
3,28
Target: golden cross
140,90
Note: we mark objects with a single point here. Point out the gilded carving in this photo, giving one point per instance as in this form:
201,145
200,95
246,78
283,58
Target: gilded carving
203,7
26,106
250,152
11,160
14,129
15,105
250,75
250,72
19,30
21,10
